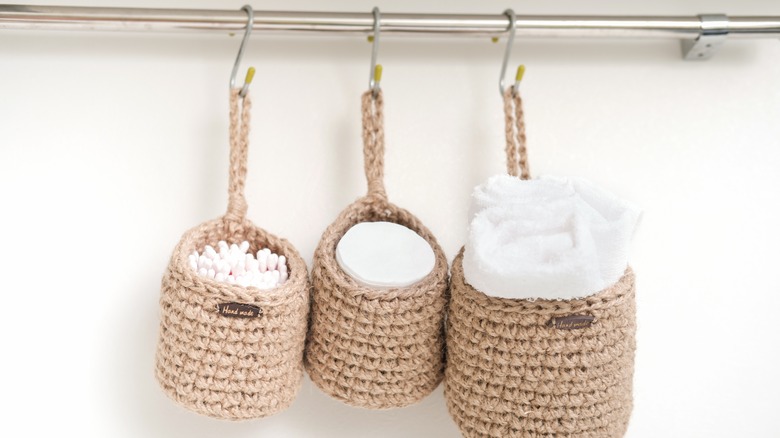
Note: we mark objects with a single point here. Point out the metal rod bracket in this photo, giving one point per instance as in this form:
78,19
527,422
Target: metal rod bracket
714,31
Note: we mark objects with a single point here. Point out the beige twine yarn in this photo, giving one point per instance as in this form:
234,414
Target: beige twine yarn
372,348
509,374
223,367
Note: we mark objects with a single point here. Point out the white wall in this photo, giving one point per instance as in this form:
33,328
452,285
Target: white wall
114,144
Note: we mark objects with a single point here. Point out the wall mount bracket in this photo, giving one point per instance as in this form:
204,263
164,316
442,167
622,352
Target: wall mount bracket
714,32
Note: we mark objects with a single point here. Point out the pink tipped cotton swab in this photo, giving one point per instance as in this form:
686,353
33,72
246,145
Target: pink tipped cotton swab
233,264
224,267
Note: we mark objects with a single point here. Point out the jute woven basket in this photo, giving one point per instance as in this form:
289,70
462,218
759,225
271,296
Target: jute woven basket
539,368
510,374
232,368
372,348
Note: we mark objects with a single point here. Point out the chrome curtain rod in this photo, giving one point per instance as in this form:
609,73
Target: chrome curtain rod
475,25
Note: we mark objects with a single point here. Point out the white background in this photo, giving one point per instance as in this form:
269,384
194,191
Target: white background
114,144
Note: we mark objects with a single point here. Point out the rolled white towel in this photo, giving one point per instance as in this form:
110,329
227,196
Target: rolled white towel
551,238
506,190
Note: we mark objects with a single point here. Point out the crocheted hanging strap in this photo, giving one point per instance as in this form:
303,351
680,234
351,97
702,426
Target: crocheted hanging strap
516,151
239,145
374,142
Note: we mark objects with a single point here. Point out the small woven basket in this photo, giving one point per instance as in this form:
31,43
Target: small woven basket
511,373
539,368
373,348
232,368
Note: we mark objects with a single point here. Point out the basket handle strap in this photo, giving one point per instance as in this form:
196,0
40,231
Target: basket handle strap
516,151
374,142
239,145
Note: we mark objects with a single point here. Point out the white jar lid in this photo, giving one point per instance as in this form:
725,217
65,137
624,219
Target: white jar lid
384,255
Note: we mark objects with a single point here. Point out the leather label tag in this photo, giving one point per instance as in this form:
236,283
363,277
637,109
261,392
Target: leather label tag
571,322
236,310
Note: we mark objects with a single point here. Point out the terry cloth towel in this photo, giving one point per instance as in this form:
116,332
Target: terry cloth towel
549,238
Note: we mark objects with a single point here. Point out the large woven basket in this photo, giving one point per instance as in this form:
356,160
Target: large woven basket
372,348
225,367
512,372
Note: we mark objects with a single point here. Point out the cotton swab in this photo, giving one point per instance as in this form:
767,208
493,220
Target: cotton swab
233,264
273,259
262,260
223,249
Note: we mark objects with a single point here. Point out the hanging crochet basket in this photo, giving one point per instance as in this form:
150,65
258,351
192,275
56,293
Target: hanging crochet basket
373,348
232,368
522,368
534,368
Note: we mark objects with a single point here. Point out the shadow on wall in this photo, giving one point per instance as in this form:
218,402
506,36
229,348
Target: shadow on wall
140,407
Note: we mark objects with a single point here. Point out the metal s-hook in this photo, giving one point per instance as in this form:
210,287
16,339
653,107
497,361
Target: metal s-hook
375,75
250,73
507,53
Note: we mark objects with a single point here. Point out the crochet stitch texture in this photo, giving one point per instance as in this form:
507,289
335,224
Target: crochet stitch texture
372,348
223,367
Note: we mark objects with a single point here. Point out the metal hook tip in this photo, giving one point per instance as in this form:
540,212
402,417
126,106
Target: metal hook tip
520,73
250,74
